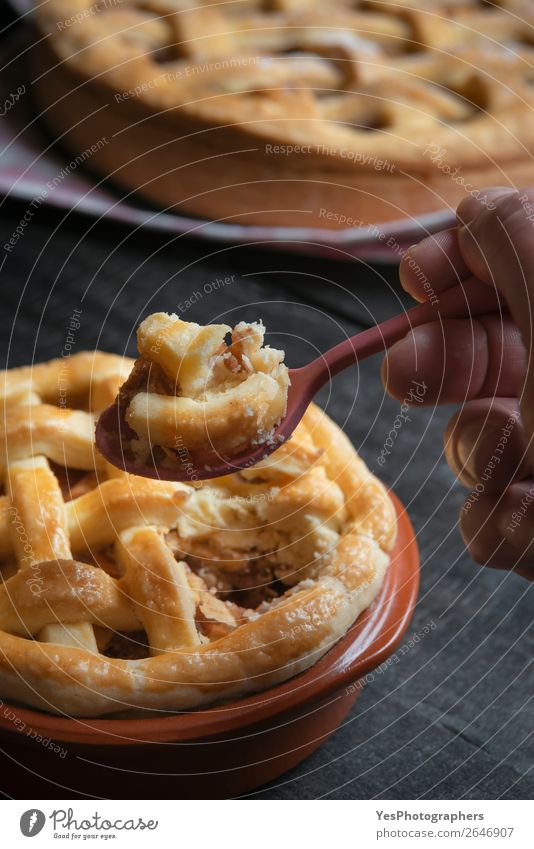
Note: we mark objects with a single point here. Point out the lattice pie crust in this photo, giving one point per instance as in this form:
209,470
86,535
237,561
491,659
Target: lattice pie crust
120,592
293,112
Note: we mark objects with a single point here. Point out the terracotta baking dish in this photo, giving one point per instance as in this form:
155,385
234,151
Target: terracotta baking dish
217,753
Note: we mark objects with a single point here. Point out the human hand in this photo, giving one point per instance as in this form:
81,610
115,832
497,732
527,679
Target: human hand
483,364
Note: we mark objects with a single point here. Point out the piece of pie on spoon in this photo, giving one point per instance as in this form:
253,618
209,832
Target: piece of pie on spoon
196,391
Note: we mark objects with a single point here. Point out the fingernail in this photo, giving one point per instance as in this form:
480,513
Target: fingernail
473,449
519,515
508,522
403,346
396,358
395,351
471,207
468,210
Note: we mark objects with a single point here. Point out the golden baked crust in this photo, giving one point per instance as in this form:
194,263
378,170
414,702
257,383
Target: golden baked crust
191,391
242,109
119,592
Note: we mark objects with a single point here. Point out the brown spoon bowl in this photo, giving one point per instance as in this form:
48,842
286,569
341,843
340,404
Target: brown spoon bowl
113,434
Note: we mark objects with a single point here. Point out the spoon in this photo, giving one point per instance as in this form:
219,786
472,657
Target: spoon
113,433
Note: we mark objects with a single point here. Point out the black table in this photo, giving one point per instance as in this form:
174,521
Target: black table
453,718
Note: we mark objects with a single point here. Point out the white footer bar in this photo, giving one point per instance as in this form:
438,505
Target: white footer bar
269,824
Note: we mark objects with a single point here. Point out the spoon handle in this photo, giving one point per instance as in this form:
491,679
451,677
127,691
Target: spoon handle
465,300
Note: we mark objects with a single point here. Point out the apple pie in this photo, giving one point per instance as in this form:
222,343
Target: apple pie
191,391
292,112
120,593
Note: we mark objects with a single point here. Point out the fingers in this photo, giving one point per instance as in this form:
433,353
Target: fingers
486,445
433,265
498,246
458,360
446,258
483,364
499,530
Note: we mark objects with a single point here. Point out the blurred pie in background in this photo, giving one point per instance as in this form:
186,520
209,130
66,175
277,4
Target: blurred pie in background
292,112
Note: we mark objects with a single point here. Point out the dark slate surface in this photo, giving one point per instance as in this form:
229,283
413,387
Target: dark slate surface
453,718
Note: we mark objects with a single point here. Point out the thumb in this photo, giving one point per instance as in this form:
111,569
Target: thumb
496,240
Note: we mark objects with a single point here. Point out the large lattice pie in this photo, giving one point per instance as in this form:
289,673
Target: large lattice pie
120,592
297,112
